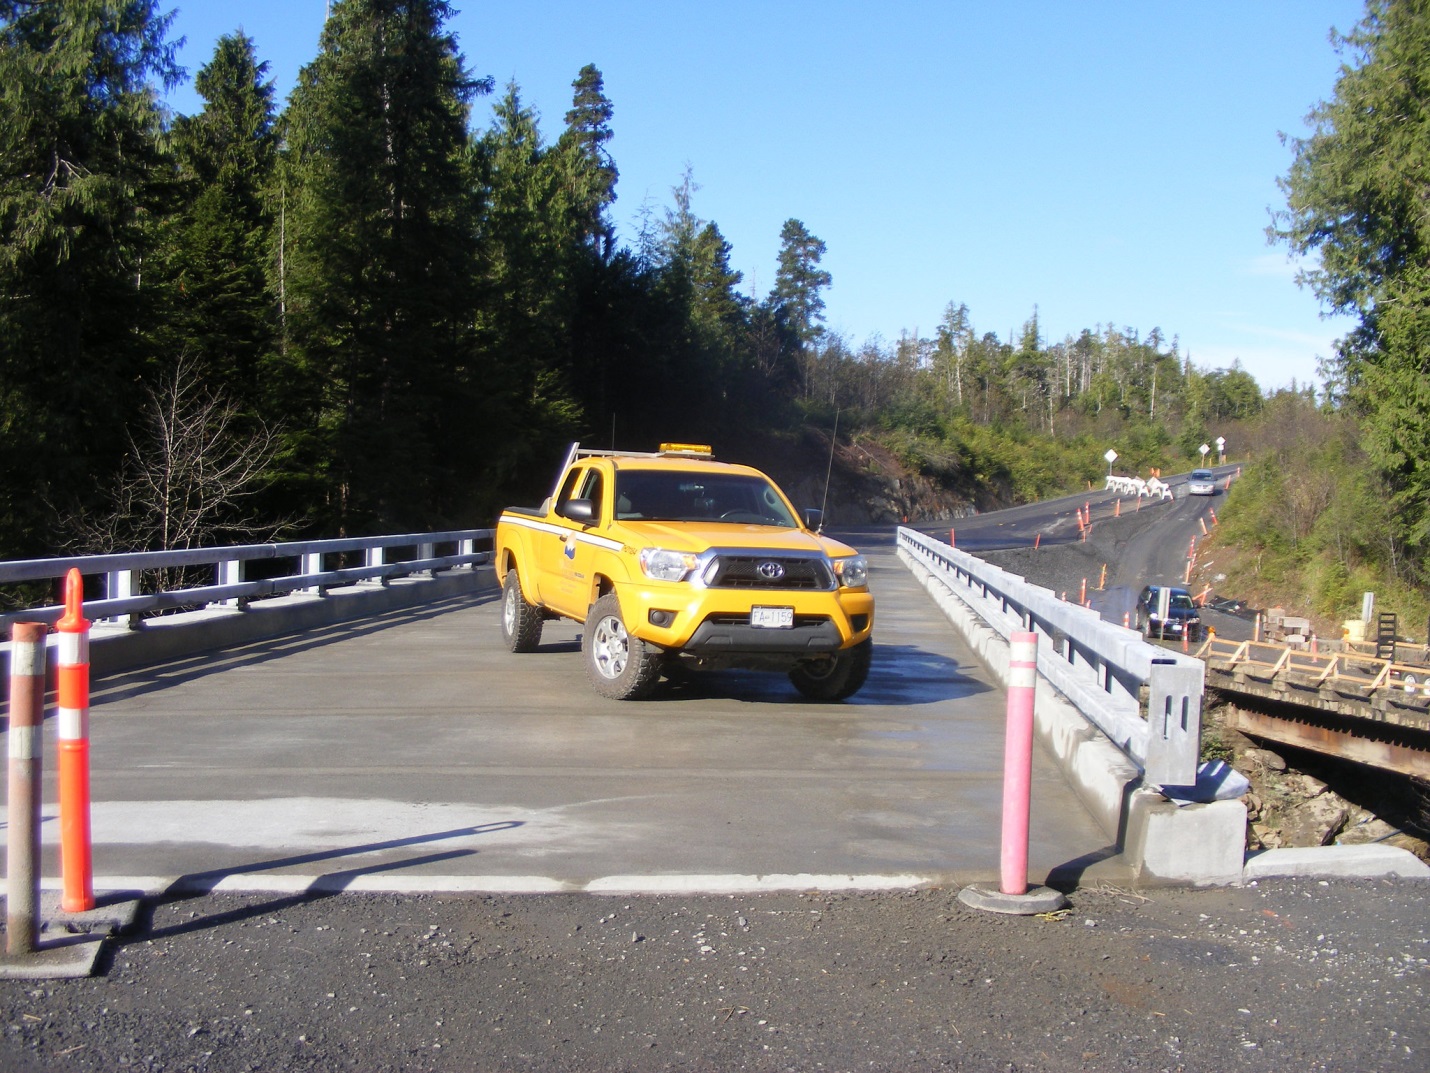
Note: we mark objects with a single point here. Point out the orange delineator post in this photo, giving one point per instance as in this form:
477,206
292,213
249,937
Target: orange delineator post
76,865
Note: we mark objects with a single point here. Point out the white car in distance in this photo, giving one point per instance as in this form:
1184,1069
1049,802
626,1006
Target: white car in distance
1202,482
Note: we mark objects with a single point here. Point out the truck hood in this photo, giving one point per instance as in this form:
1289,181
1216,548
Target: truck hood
698,536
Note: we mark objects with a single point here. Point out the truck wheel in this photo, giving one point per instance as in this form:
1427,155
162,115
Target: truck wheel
620,666
837,678
520,621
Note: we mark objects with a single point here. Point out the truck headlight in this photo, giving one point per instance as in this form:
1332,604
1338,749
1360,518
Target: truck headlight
853,572
659,564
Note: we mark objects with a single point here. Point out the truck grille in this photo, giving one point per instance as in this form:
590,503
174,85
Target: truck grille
769,572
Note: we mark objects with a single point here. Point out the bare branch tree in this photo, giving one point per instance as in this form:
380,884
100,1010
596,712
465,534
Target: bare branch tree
188,474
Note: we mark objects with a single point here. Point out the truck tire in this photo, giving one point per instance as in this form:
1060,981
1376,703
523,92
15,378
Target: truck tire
520,621
620,666
835,679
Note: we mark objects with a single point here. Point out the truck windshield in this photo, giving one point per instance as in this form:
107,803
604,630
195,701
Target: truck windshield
673,496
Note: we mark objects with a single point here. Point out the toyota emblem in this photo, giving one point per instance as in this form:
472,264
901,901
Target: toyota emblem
770,571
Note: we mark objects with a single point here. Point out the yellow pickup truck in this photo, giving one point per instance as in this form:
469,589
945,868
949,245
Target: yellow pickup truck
675,561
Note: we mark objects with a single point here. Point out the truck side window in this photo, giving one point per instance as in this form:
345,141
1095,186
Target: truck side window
591,489
568,490
582,484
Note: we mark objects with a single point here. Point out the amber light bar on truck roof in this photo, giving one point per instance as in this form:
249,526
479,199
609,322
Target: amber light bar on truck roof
667,450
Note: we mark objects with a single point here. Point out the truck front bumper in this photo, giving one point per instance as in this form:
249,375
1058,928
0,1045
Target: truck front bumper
714,622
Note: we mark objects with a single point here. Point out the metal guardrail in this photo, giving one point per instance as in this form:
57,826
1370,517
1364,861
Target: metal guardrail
1106,670
123,601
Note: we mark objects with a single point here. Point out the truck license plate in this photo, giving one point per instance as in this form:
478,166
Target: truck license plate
772,618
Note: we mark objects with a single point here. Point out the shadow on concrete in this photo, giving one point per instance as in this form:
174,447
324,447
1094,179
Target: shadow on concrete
126,685
900,675
203,882
198,884
1067,877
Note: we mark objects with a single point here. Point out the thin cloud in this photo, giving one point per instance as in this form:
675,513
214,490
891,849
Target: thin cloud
1273,266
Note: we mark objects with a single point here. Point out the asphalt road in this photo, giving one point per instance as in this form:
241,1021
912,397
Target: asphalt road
1129,545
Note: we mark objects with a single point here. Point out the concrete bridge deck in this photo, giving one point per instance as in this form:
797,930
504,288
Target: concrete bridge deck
412,752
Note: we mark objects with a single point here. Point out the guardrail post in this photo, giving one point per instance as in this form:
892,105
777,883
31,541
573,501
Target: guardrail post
120,585
228,572
427,551
1174,724
377,557
27,718
312,563
467,547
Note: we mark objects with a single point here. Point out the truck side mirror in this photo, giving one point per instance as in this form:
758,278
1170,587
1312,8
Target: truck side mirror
813,518
578,510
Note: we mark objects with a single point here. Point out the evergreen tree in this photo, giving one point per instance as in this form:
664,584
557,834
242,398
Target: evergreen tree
719,309
953,339
1356,195
591,170
378,253
799,281
81,179
533,232
796,297
223,314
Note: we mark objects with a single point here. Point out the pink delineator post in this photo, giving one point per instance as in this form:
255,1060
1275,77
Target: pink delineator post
1018,761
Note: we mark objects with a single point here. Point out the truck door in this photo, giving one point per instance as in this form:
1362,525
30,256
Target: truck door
568,561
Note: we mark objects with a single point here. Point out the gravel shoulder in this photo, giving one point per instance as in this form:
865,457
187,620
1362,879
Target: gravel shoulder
1300,975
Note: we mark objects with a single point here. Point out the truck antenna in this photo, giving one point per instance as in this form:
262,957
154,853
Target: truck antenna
828,472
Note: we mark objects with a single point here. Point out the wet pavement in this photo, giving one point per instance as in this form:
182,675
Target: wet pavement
414,753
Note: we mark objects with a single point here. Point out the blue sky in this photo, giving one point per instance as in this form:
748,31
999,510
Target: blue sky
1108,163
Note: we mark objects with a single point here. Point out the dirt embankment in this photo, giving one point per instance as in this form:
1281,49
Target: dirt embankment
860,483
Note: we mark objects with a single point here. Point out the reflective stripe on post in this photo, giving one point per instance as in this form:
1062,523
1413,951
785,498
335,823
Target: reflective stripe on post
26,749
1018,761
76,866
